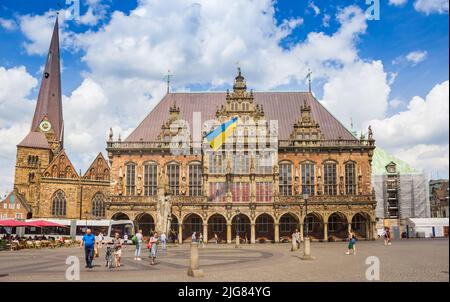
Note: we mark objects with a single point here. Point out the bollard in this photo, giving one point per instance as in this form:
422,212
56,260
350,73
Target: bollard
294,243
194,270
307,249
237,242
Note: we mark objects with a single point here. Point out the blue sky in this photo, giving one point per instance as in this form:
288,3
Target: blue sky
403,55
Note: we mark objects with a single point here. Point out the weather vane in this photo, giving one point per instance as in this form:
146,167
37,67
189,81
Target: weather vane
308,76
167,78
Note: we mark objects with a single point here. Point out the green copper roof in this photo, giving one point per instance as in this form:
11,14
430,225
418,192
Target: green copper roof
381,159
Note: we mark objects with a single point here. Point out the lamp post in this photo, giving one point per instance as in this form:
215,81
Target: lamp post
305,197
307,243
238,213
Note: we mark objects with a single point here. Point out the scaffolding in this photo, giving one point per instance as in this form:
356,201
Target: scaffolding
401,192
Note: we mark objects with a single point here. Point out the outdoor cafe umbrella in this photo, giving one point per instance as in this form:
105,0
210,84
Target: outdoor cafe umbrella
13,223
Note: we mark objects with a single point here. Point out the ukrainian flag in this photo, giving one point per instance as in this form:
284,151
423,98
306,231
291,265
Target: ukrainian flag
217,137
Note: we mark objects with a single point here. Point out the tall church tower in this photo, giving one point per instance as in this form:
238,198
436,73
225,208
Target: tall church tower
46,137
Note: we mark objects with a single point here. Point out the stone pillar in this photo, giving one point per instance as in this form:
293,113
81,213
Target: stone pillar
301,232
237,241
307,249
374,230
253,233
367,230
277,232
205,233
325,231
349,227
194,270
228,232
180,233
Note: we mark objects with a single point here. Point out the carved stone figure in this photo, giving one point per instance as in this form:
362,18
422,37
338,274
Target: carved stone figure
163,213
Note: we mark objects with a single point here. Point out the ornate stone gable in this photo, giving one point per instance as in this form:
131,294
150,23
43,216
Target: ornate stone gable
61,167
98,170
240,103
174,126
306,130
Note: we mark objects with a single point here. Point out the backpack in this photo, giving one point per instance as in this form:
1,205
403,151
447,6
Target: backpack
134,239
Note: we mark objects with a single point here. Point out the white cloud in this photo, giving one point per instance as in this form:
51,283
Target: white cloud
15,117
413,58
359,91
431,6
422,128
314,7
397,2
8,24
416,57
395,103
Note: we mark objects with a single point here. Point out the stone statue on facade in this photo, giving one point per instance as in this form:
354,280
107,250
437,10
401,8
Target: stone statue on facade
163,213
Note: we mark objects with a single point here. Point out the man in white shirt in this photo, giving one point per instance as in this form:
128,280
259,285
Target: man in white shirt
163,240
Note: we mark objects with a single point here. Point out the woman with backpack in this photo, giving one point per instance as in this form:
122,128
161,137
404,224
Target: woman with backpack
137,240
351,243
153,247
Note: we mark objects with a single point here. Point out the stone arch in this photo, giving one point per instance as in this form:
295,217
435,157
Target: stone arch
120,216
192,222
313,225
337,225
217,224
361,224
265,227
288,223
145,222
241,224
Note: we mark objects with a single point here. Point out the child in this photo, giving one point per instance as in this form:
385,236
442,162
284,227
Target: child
153,246
351,244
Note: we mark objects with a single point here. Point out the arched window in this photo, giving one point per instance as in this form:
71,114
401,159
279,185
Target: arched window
245,106
216,163
98,205
150,179
59,204
131,179
195,179
307,178
173,170
285,179
329,179
350,178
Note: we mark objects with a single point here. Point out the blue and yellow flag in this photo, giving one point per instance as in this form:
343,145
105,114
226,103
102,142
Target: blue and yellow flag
217,137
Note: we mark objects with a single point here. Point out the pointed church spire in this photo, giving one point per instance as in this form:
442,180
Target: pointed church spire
49,103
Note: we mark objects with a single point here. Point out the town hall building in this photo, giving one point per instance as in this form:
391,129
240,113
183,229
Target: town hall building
289,164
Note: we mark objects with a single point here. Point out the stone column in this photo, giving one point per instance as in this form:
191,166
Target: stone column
205,233
253,233
374,230
367,230
301,232
307,249
325,231
194,270
228,232
180,233
277,232
349,227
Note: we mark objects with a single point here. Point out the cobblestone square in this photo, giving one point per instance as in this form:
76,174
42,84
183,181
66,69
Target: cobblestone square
404,260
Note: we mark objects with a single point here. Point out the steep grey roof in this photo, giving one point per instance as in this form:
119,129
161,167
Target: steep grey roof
281,106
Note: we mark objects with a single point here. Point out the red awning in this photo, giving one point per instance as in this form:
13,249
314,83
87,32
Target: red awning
13,223
44,223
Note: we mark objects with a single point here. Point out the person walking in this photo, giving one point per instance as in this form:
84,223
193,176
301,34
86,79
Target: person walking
388,236
351,243
194,237
163,240
117,244
200,239
153,247
297,238
138,240
216,238
88,241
